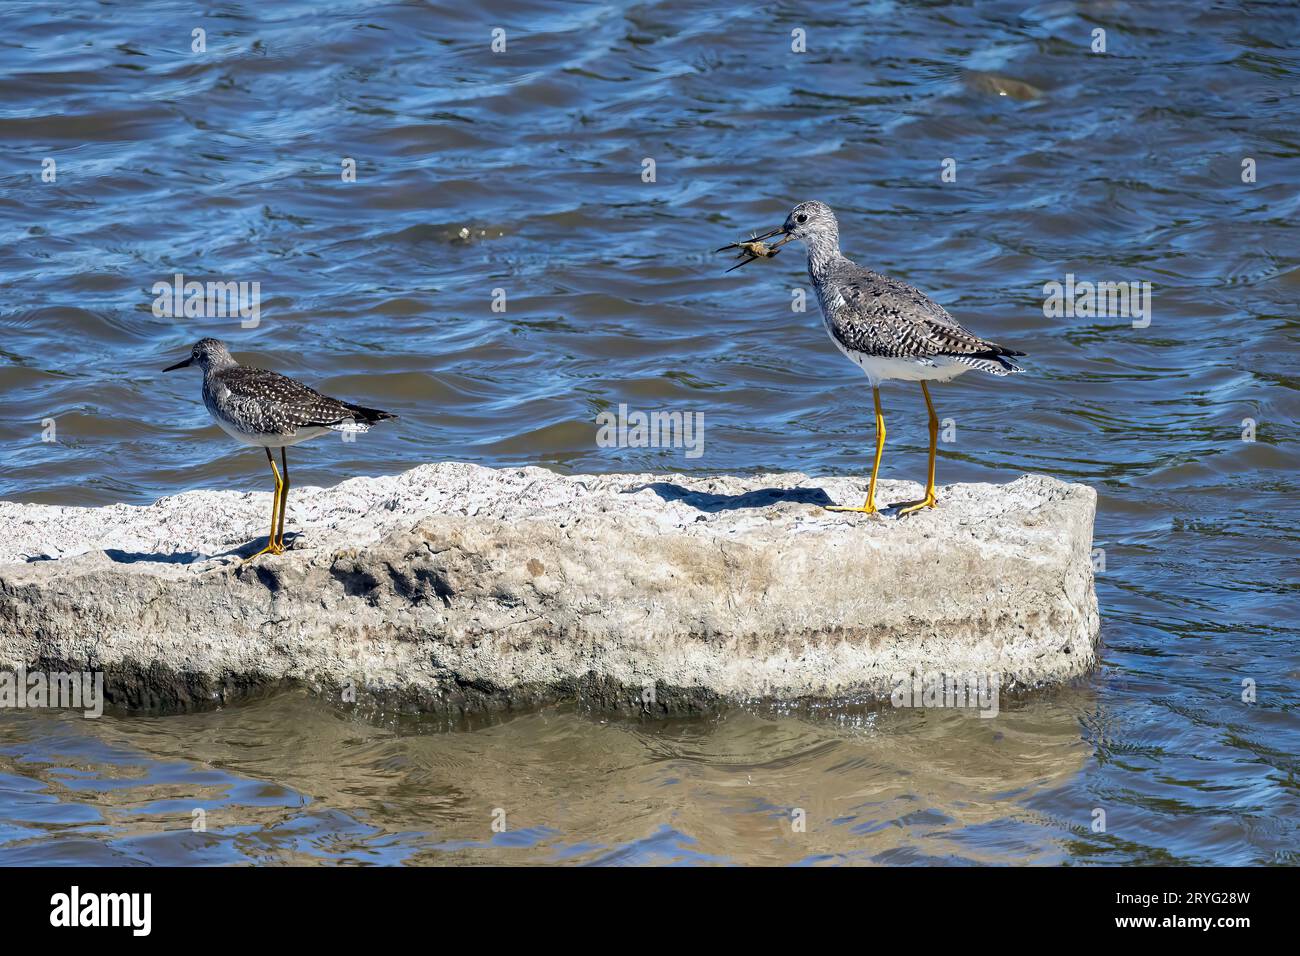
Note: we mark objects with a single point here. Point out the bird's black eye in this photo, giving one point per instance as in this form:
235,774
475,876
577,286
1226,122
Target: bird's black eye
802,217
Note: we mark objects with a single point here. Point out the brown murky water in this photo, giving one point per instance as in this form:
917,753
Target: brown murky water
521,171
287,779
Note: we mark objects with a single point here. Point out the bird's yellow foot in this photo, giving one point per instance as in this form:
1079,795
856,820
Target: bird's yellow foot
865,509
929,501
269,549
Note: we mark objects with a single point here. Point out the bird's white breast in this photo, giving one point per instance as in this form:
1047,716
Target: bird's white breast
265,440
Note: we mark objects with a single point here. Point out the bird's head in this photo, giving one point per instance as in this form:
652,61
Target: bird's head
810,222
206,354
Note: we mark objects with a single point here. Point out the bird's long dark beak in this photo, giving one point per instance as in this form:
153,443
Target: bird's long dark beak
172,368
766,235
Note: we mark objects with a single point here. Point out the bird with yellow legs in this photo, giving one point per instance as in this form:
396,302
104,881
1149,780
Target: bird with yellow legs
887,328
267,409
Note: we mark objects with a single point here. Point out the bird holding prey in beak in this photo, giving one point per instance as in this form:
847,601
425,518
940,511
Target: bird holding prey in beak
886,327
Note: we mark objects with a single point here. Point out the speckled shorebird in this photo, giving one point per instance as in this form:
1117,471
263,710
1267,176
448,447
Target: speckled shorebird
269,410
888,328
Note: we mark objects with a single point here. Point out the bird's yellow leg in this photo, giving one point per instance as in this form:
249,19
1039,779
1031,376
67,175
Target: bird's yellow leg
869,506
929,501
284,497
271,545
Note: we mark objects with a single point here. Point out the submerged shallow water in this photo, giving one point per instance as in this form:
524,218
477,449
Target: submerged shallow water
289,780
521,171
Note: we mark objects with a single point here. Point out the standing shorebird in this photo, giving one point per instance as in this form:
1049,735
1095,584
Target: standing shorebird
269,410
888,328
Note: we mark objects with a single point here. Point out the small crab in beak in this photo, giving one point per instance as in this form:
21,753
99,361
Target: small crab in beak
756,248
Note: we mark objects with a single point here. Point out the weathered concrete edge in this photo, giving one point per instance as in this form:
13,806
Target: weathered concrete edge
461,689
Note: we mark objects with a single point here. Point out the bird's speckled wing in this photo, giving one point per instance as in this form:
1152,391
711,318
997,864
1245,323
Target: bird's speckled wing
270,403
880,316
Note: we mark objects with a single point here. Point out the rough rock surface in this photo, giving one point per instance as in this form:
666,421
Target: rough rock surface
455,588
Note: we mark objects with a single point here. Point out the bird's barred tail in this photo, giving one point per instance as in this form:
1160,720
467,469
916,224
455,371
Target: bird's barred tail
994,360
362,419
372,415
